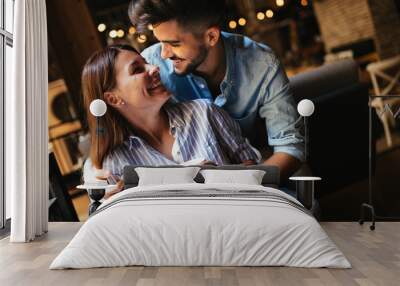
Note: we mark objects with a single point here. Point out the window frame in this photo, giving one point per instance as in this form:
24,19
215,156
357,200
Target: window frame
6,39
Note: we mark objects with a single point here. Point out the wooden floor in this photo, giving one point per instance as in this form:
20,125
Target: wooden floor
375,256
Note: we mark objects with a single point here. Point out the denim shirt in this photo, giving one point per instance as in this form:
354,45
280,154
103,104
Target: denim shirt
255,85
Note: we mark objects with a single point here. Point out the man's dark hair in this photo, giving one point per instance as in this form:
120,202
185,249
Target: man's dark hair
188,14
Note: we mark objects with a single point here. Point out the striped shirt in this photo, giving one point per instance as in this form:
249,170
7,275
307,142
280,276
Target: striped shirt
202,131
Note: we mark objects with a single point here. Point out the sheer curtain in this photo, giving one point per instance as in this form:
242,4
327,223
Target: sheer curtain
26,124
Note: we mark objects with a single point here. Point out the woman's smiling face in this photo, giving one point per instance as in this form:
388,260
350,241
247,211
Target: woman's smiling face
138,84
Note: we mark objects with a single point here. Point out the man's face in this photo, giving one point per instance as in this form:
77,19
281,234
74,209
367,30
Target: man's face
183,48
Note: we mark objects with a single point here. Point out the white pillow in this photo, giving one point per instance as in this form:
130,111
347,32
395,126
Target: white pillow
163,176
248,177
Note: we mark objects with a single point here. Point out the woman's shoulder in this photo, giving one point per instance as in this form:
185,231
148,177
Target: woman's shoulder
198,104
187,111
117,151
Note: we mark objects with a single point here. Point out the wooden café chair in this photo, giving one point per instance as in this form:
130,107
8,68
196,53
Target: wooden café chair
385,77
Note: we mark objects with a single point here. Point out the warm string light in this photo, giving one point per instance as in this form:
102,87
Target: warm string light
232,24
141,39
132,30
112,34
242,22
304,2
101,27
120,33
260,16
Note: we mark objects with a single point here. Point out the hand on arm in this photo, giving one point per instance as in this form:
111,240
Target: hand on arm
117,189
206,162
92,174
248,162
106,175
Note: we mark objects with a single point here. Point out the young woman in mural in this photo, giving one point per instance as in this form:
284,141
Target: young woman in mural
143,127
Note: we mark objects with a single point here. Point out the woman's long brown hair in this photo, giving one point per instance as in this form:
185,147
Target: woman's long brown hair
98,77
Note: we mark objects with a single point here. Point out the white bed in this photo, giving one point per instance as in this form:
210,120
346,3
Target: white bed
201,224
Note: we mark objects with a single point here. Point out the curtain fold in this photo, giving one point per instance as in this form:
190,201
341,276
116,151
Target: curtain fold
26,124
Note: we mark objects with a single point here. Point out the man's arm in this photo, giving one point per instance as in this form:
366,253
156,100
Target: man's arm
282,122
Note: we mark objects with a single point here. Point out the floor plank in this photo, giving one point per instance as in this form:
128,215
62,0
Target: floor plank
375,256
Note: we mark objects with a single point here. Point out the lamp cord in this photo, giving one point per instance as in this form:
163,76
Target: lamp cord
97,135
306,139
370,154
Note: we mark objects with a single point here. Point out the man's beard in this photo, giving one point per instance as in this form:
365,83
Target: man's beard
195,63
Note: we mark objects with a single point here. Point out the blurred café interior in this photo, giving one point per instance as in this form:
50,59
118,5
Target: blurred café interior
305,34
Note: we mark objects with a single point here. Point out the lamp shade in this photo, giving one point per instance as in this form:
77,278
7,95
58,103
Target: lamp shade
98,107
305,107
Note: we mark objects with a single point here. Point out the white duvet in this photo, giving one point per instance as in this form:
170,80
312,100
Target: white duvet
234,229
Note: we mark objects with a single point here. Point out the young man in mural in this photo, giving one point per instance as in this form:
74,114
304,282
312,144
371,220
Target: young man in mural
198,60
